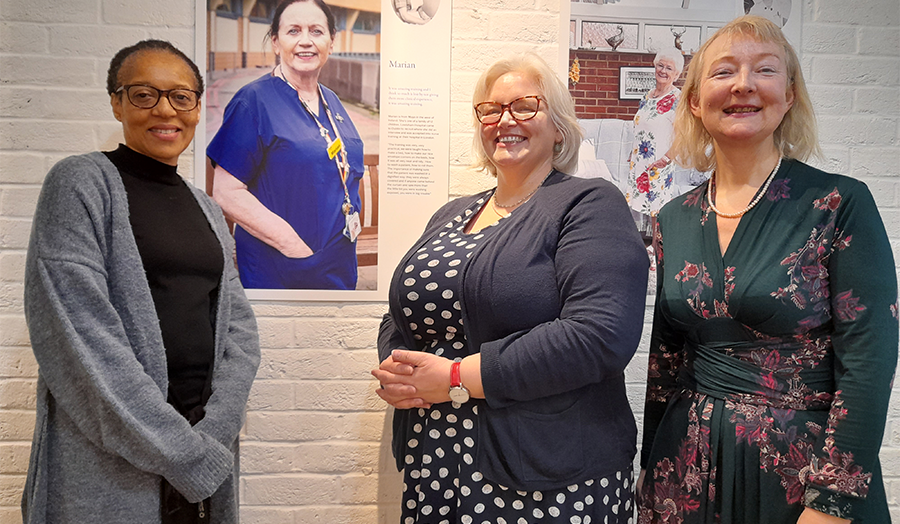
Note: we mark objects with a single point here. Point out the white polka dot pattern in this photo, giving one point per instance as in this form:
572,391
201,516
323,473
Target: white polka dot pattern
444,486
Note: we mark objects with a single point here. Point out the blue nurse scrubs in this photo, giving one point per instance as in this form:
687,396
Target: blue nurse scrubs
272,144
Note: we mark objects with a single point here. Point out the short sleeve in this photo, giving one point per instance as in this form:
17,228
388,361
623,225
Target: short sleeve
237,146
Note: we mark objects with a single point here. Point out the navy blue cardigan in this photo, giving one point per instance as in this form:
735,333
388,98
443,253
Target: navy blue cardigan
555,304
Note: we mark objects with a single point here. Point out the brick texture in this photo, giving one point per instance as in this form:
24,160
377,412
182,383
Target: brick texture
315,448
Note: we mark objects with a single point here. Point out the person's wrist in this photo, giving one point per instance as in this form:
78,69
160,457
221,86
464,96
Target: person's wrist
458,392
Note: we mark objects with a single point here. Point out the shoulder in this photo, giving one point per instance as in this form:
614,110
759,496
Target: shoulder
563,192
685,204
256,95
675,94
80,193
810,182
257,88
330,96
809,175
80,175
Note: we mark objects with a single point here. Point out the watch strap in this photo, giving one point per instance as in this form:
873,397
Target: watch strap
455,375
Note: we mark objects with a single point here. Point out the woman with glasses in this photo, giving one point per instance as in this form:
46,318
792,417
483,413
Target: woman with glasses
146,343
288,163
649,185
511,321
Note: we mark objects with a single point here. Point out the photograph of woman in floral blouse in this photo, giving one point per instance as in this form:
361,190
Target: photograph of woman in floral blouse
775,331
649,186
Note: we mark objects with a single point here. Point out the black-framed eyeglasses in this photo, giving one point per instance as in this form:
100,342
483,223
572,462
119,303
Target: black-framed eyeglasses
146,97
521,109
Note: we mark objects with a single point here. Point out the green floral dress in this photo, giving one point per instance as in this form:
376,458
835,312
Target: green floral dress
771,367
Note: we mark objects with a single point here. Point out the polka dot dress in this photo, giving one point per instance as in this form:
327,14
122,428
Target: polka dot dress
441,484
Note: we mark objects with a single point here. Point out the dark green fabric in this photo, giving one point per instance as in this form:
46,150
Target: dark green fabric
770,367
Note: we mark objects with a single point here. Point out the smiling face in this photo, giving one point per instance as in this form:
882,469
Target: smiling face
159,132
744,90
519,148
303,41
666,73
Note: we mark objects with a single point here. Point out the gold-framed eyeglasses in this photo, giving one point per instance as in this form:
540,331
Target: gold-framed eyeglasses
520,109
146,97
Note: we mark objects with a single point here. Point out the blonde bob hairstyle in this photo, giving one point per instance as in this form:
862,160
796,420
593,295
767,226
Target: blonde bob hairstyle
796,136
556,101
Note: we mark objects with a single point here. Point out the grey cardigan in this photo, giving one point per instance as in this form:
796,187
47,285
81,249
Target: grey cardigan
104,434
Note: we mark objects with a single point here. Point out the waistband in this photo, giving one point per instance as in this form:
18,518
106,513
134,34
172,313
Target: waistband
713,372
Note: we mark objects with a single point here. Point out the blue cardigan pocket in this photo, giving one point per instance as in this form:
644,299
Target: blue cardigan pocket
540,434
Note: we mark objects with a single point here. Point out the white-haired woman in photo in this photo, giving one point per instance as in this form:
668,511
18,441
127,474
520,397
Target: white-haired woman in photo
650,183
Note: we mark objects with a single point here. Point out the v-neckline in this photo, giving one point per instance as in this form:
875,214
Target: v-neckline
742,224
734,235
723,260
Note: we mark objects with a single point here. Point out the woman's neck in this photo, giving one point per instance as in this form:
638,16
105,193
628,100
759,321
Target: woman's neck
513,187
744,166
657,92
307,86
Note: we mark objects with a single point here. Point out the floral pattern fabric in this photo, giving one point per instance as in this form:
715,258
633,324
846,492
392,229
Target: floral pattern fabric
648,188
771,366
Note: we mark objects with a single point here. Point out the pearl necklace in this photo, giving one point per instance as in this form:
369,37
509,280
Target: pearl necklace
751,205
523,199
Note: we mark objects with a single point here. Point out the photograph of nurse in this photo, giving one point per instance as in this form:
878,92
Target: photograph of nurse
288,162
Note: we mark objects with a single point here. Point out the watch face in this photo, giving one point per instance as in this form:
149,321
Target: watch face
459,394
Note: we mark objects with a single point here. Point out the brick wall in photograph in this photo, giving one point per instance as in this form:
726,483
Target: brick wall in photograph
597,92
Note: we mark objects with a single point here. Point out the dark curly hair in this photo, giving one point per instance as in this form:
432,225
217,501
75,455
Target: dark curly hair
115,65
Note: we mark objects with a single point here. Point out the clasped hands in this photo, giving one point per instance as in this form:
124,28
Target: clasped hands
413,379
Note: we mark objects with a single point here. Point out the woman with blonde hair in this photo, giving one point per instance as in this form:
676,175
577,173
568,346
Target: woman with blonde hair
511,321
775,331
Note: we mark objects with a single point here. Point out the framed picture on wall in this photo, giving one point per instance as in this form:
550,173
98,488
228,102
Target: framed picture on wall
384,118
634,82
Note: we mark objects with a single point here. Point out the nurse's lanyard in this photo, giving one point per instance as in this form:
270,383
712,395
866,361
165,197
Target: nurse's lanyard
338,152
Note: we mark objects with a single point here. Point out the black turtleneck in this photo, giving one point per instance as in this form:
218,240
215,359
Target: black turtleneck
183,261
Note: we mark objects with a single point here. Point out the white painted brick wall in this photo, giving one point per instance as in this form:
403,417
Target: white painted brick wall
315,444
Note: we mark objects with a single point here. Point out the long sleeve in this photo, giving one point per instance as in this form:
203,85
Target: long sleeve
95,364
666,356
863,302
236,366
389,338
598,275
